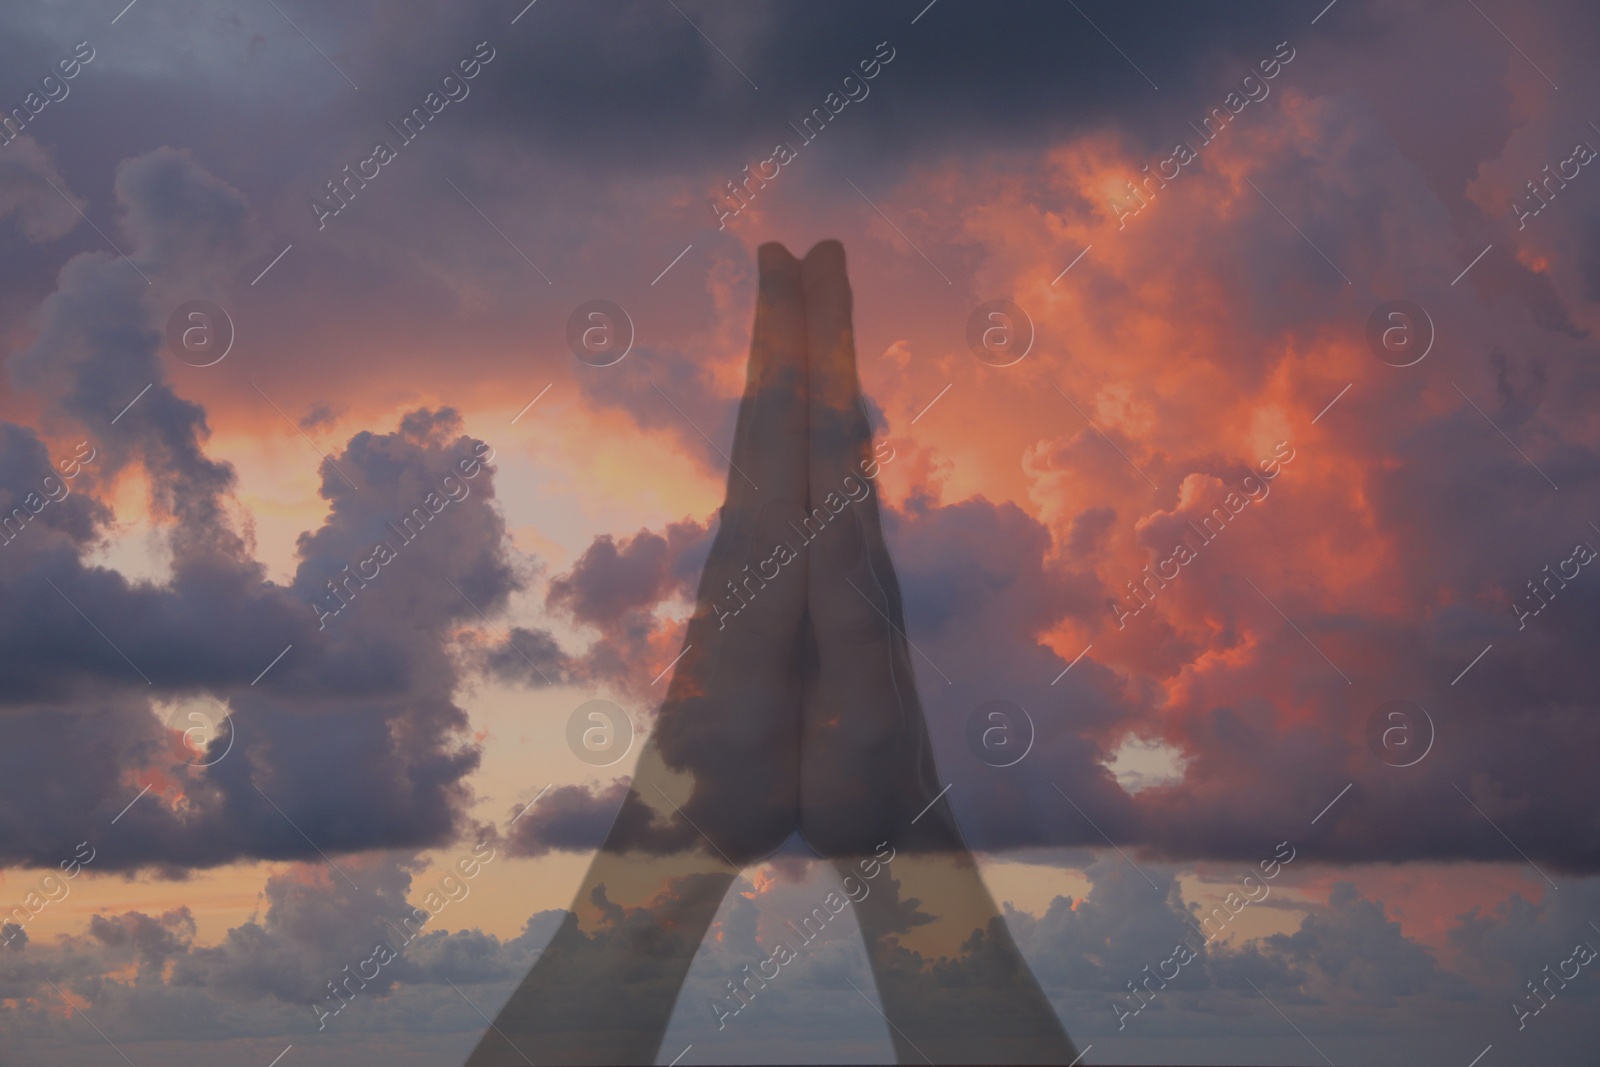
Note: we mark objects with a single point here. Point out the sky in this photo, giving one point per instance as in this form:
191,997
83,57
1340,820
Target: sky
1308,289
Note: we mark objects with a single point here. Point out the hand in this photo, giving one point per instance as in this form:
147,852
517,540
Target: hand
867,772
866,765
794,707
717,784
732,713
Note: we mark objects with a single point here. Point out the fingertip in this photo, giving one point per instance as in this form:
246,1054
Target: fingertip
823,263
779,275
773,257
828,248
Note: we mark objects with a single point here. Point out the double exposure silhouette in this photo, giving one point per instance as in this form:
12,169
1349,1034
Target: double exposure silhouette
793,708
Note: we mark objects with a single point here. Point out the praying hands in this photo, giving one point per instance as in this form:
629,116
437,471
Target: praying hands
793,708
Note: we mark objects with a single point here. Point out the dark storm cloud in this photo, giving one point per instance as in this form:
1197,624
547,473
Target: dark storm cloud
532,657
980,586
639,86
978,594
614,588
95,350
635,85
577,104
1344,967
353,736
1353,945
30,479
353,739
92,354
979,591
609,580
315,929
185,220
576,818
26,176
276,970
642,89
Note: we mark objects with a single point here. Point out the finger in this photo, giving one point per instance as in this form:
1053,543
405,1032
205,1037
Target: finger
752,593
863,739
731,716
752,586
853,596
769,461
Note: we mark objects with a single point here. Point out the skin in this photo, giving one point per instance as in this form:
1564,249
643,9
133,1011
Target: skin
800,713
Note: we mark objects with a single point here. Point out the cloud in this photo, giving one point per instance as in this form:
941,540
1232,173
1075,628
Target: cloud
528,656
26,176
1398,546
609,580
145,974
620,588
380,687
376,680
576,818
183,219
1353,947
1346,969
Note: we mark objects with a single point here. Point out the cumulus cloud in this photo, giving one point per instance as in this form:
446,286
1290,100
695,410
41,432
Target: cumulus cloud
353,739
142,974
26,178
1345,969
1417,516
576,818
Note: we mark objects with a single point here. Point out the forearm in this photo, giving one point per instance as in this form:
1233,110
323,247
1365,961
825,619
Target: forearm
604,988
975,1000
